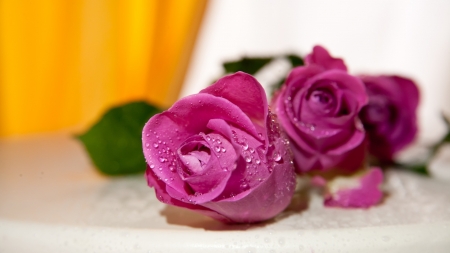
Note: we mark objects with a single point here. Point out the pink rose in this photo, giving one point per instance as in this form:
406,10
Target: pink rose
318,108
390,117
220,153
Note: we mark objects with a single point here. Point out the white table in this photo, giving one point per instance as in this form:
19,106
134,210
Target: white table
53,200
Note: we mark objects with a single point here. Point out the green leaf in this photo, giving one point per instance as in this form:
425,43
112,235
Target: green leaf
419,168
295,60
115,143
447,123
247,65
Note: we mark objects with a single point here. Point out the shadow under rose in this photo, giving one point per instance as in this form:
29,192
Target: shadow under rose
184,217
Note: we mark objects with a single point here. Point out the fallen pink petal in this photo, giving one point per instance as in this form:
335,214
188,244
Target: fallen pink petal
359,191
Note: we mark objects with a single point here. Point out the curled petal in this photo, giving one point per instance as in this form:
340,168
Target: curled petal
163,196
321,57
245,92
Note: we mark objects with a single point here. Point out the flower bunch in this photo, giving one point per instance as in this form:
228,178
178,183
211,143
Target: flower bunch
223,153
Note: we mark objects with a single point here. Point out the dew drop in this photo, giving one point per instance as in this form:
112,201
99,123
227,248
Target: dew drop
187,163
244,186
257,161
147,144
225,169
248,159
251,150
155,145
260,135
171,179
277,157
152,166
223,150
208,138
218,141
159,141
147,135
162,159
171,168
217,148
245,146
160,169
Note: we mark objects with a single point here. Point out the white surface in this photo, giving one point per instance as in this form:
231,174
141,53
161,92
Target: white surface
52,200
407,37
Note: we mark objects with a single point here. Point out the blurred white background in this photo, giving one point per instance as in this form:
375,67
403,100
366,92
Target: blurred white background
410,38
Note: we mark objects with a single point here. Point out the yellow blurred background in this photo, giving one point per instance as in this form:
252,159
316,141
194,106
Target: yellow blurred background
63,63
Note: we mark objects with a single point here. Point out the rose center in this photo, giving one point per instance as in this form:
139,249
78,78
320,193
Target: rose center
377,111
322,102
195,155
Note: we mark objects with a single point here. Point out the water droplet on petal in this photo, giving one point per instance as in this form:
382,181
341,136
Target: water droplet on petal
225,169
223,150
248,159
218,141
217,148
244,186
277,157
245,146
261,136
257,161
162,159
155,145
171,168
147,144
152,166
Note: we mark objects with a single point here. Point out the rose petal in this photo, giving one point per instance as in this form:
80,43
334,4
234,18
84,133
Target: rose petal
321,57
245,92
359,191
163,196
259,203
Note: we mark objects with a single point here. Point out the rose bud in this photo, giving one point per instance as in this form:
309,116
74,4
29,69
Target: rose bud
390,116
221,153
318,108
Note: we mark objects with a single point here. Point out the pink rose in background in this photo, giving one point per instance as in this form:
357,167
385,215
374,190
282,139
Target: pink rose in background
220,153
390,116
318,108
